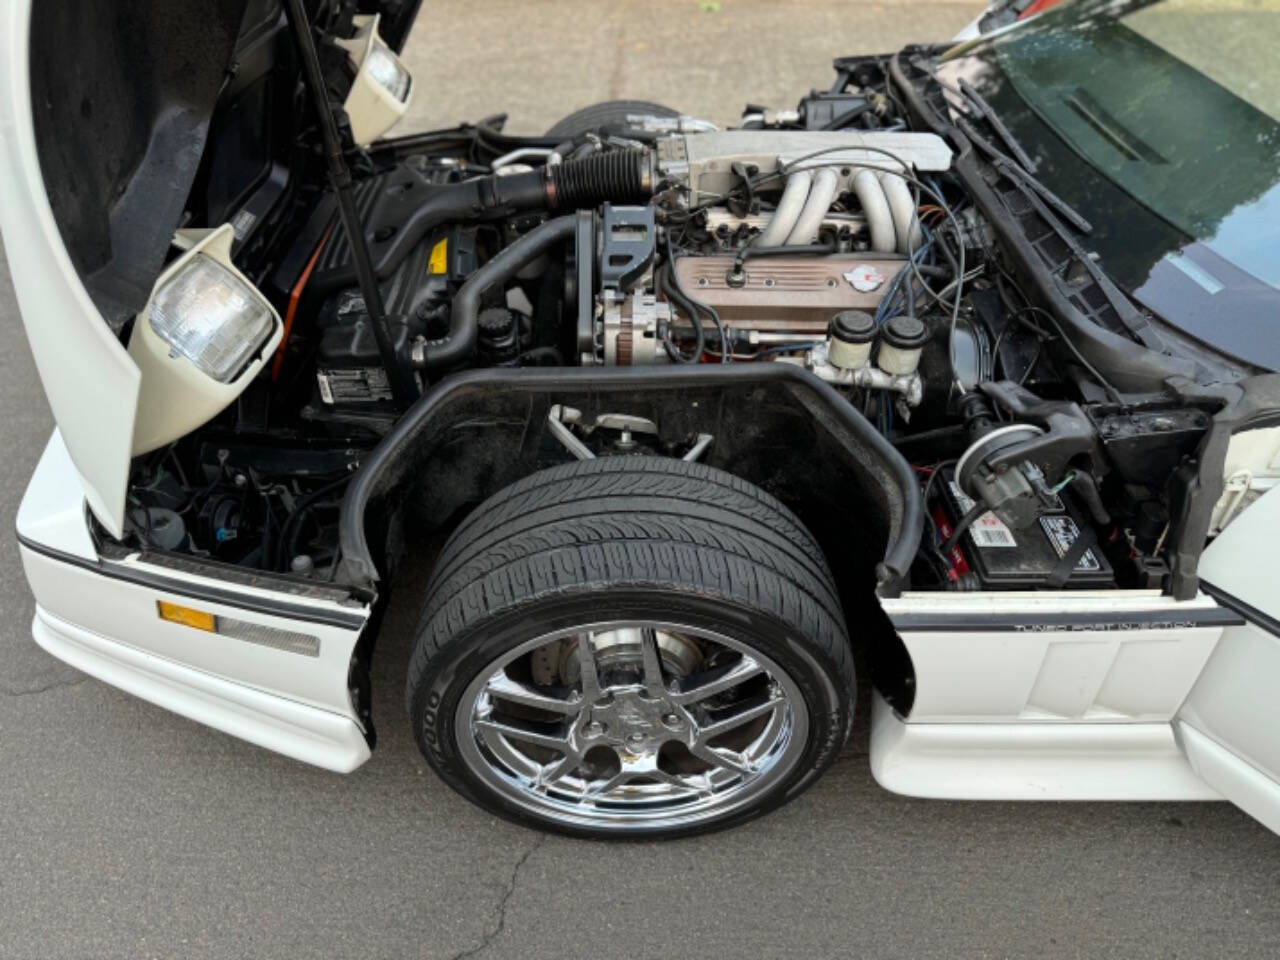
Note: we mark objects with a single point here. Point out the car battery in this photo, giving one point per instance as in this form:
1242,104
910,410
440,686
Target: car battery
1003,558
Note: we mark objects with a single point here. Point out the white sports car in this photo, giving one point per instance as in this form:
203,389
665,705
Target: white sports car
957,378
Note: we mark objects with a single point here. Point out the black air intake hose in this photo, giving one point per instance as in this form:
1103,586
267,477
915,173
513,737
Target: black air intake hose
619,176
464,320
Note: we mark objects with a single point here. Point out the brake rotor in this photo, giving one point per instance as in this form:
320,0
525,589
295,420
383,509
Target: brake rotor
618,652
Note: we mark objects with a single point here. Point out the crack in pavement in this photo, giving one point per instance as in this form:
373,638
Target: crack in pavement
71,682
493,935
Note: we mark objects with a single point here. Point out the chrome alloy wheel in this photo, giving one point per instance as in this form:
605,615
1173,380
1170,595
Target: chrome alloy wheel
630,725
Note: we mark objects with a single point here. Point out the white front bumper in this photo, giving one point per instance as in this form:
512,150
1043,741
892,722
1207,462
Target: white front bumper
101,617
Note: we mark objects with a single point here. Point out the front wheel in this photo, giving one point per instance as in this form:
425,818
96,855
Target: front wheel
631,647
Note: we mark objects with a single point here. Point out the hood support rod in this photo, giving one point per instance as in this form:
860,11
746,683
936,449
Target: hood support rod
402,386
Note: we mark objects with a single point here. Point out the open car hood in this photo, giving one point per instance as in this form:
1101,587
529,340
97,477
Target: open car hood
113,116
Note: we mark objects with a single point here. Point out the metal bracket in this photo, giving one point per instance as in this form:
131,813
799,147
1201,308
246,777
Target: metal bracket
558,420
699,447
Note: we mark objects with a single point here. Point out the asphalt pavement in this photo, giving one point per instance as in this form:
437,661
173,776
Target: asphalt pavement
126,831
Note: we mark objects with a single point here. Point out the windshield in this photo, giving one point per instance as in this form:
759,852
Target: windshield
1173,107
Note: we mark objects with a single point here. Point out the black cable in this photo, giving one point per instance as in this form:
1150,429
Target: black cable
785,250
963,524
1035,359
289,532
1106,384
698,305
451,138
675,298
1018,314
934,473
488,134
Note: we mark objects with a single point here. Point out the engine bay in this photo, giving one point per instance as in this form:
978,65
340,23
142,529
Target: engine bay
836,237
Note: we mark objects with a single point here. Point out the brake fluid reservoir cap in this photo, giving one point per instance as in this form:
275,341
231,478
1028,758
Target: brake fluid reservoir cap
905,333
853,326
864,277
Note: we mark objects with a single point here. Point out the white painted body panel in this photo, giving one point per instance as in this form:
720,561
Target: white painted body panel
1031,761
1230,723
126,612
1111,672
90,381
319,737
52,508
1045,696
295,704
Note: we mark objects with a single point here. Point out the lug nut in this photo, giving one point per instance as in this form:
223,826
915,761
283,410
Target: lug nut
636,739
594,729
671,720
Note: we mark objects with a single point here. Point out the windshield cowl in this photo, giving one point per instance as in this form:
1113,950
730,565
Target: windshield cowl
1177,170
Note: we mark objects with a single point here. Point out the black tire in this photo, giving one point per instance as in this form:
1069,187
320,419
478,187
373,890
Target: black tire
638,537
611,113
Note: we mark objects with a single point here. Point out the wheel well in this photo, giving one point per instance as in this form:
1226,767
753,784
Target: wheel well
773,425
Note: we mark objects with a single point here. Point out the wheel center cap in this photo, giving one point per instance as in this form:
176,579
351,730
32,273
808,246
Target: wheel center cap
633,722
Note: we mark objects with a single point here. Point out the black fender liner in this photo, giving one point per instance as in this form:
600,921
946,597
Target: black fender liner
774,424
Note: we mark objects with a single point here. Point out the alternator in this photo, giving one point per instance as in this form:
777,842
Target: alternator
631,326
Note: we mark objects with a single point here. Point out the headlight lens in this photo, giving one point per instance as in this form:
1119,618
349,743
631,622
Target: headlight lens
386,68
210,316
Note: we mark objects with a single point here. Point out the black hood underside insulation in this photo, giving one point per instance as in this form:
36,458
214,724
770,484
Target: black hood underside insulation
122,92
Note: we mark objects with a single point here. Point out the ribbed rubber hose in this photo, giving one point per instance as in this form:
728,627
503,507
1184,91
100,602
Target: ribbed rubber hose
618,176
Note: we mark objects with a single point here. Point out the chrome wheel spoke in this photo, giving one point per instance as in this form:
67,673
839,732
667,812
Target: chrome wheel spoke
739,717
703,685
722,758
653,682
587,665
514,731
556,771
513,691
635,769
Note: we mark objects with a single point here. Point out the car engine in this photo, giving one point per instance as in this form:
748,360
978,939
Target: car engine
835,237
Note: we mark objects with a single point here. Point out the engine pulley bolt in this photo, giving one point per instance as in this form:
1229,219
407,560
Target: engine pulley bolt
594,729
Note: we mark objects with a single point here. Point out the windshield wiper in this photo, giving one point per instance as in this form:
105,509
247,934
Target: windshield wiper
1015,172
1004,133
971,100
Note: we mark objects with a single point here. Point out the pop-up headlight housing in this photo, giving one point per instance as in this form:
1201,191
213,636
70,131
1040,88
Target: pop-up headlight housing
201,339
382,88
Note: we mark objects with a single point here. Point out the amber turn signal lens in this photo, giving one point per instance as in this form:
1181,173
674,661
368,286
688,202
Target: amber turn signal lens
176,613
